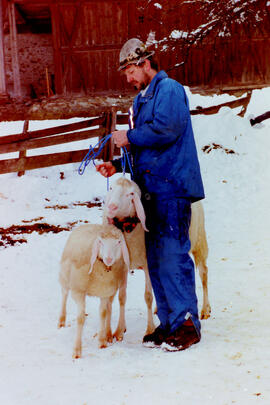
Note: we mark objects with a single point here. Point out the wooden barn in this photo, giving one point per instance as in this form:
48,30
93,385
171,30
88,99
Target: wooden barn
67,47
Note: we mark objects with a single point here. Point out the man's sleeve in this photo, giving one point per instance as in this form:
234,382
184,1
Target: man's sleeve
117,163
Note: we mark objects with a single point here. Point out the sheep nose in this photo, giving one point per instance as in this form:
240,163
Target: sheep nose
108,261
112,207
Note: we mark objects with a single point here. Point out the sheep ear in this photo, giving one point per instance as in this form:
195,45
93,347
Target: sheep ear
139,210
125,253
95,250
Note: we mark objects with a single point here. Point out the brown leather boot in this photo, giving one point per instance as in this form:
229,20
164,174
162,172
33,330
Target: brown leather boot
156,338
182,338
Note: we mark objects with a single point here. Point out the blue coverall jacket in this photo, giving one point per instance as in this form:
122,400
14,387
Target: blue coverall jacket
166,168
162,144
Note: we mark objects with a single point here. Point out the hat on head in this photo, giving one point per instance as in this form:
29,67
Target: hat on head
135,52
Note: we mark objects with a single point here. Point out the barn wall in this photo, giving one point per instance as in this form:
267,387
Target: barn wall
35,54
83,50
242,60
230,64
87,41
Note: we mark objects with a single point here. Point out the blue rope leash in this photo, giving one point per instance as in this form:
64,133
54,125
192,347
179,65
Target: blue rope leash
91,156
125,158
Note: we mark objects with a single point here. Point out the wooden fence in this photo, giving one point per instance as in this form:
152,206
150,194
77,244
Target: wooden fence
106,123
74,132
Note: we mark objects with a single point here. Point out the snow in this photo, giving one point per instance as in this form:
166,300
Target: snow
231,364
176,34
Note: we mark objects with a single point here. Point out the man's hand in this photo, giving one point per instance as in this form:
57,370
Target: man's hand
120,138
106,169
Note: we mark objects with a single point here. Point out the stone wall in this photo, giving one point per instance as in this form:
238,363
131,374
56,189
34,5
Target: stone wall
35,54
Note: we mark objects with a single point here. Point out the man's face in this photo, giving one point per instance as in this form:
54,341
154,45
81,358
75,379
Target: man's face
137,76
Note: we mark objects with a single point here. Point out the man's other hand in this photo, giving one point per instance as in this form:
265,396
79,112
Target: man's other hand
106,169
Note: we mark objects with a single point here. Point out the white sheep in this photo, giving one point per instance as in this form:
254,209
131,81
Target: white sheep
122,206
94,262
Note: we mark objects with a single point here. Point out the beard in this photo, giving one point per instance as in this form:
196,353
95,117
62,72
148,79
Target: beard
142,84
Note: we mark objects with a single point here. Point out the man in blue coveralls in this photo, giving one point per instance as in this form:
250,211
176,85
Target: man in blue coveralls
166,168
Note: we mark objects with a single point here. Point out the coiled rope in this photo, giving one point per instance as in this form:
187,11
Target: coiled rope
92,155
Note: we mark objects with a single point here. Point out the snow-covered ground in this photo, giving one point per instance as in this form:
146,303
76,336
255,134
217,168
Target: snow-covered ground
231,364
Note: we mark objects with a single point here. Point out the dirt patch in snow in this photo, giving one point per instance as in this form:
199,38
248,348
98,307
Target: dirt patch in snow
88,204
212,146
11,236
15,234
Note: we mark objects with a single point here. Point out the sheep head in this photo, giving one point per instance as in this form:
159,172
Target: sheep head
109,246
124,200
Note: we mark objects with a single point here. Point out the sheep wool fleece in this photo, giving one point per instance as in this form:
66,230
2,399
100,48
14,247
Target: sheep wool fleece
166,168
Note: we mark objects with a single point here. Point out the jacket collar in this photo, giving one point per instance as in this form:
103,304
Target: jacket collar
142,99
152,87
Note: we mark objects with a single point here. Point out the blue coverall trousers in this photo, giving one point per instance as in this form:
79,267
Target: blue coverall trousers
171,268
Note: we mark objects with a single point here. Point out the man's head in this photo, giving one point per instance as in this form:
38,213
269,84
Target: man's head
137,64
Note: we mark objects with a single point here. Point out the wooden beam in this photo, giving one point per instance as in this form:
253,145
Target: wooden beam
112,128
215,108
122,119
51,131
41,161
260,118
3,88
22,153
14,50
51,141
56,48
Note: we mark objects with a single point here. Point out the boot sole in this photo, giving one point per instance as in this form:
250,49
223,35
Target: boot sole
168,348
152,345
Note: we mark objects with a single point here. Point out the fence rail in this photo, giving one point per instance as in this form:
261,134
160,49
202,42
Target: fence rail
78,131
28,140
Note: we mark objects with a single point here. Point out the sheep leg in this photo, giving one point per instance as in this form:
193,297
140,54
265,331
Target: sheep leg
148,296
206,308
62,317
103,312
109,336
79,298
122,297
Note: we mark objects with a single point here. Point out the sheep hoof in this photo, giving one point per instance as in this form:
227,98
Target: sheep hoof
102,345
61,323
205,314
110,338
77,354
119,336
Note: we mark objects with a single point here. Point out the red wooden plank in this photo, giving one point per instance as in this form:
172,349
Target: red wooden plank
51,141
22,153
52,131
122,119
56,46
14,50
41,161
2,57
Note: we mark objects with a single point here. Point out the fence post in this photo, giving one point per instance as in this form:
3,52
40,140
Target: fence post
22,154
14,50
110,125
